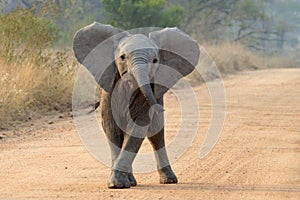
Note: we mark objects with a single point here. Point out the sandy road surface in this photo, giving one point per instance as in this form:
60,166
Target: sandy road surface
257,156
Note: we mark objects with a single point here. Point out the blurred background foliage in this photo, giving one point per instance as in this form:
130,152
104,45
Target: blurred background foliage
264,25
135,14
37,67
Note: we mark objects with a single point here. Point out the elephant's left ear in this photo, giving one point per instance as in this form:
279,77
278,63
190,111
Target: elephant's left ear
179,54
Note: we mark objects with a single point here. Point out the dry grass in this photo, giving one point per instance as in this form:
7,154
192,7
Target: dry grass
31,87
233,57
33,79
230,57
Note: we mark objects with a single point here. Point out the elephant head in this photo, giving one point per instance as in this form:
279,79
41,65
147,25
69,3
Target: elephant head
143,57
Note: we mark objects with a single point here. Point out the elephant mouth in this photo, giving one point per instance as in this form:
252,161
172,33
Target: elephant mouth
123,73
152,88
141,114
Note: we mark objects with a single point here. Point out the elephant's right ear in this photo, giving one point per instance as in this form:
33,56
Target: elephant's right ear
94,47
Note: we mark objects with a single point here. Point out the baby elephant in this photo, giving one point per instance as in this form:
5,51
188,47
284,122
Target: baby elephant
134,72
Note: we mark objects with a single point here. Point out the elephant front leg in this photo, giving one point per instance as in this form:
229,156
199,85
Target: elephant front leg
121,179
166,174
122,176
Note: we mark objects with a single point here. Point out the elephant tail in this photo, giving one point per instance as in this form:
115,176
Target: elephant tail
94,106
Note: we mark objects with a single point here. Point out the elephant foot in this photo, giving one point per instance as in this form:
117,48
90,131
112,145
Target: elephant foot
118,179
132,180
167,175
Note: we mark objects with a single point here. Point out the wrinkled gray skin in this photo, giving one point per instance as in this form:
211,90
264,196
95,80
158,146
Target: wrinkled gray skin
133,62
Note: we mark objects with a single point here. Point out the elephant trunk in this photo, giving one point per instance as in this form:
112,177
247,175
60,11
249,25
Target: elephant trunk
140,72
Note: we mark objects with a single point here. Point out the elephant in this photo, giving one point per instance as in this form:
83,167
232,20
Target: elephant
134,72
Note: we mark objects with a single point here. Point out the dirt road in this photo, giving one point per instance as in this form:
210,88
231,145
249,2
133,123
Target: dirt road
257,156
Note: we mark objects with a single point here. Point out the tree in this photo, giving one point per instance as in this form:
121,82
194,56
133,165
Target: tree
259,24
128,14
206,18
246,17
73,15
286,16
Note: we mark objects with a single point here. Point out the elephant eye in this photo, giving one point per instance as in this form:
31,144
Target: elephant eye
155,60
123,56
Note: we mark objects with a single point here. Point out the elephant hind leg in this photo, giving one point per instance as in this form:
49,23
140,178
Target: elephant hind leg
132,179
166,174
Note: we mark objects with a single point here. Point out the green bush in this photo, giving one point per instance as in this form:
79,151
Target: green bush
23,32
129,14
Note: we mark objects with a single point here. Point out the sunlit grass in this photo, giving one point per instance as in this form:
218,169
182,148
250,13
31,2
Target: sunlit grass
233,57
29,88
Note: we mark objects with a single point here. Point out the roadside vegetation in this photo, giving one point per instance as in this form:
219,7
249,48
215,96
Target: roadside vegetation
35,78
